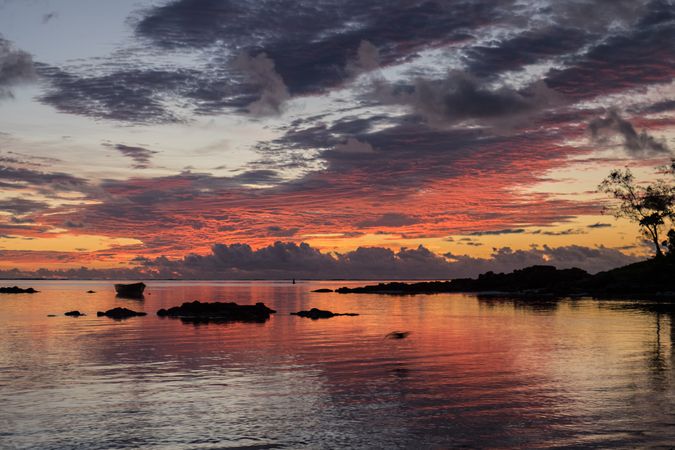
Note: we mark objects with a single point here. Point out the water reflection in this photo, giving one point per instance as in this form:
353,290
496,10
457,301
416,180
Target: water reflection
477,372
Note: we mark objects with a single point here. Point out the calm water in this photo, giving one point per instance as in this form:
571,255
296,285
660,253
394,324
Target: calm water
473,372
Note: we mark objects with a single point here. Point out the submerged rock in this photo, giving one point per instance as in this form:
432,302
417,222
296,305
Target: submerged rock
397,335
316,313
218,312
120,313
17,290
74,314
322,290
91,292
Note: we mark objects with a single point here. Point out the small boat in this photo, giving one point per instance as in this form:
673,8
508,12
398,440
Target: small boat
134,290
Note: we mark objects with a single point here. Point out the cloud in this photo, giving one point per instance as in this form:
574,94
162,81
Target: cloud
462,97
286,260
312,44
353,146
272,90
630,59
367,59
21,220
498,232
130,95
599,225
636,144
72,224
17,178
526,48
21,206
505,259
49,17
140,155
16,67
389,220
276,231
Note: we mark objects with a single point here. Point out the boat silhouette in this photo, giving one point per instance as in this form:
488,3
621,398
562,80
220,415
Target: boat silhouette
133,290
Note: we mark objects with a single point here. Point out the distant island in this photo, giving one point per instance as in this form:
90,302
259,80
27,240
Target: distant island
652,278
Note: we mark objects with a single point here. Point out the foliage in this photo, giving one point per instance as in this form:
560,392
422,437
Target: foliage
670,243
650,205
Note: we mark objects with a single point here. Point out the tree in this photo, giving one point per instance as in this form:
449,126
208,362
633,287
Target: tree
670,243
650,206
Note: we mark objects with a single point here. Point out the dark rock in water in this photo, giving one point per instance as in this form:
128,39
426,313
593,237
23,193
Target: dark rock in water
74,314
120,313
322,290
398,335
91,292
133,290
315,314
17,290
218,312
51,315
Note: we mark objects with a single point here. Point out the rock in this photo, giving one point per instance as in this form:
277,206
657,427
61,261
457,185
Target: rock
51,315
74,314
120,313
322,290
133,290
91,292
397,335
17,290
316,313
218,312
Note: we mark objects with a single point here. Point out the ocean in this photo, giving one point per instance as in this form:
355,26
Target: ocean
474,372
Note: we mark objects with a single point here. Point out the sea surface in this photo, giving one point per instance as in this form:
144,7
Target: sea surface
473,373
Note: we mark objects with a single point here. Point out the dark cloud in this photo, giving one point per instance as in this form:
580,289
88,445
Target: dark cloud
526,48
49,17
16,67
461,97
125,95
18,178
505,259
389,220
637,144
640,56
311,44
276,231
21,220
567,232
289,260
21,206
599,225
498,232
254,56
140,155
72,224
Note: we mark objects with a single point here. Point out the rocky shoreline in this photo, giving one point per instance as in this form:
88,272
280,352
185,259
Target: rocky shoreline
654,278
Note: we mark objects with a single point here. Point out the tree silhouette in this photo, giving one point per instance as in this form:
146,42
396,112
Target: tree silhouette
650,206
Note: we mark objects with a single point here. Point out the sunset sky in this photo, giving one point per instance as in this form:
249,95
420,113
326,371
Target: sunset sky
325,139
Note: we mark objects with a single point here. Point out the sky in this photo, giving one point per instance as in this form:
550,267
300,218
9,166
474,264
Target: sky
326,139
